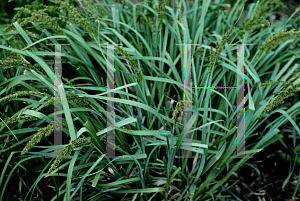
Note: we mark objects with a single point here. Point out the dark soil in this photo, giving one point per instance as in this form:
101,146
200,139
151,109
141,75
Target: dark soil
267,182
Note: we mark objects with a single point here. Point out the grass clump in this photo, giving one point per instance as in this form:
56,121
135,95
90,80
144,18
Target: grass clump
146,167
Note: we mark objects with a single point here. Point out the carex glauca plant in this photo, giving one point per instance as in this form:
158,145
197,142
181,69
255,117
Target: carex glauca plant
146,141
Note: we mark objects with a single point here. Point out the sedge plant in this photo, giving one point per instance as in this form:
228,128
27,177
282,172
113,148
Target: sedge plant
148,101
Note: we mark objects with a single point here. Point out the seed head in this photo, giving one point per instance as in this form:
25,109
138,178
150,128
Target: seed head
133,65
180,106
67,150
160,9
276,39
219,47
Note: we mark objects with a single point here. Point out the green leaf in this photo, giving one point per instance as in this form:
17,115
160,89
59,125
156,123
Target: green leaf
70,173
117,183
145,132
92,133
146,190
175,173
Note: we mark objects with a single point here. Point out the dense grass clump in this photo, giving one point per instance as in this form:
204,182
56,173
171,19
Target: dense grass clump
149,100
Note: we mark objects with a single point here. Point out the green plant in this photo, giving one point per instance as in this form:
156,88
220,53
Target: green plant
146,136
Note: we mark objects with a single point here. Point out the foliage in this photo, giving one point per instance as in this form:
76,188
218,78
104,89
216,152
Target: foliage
148,83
